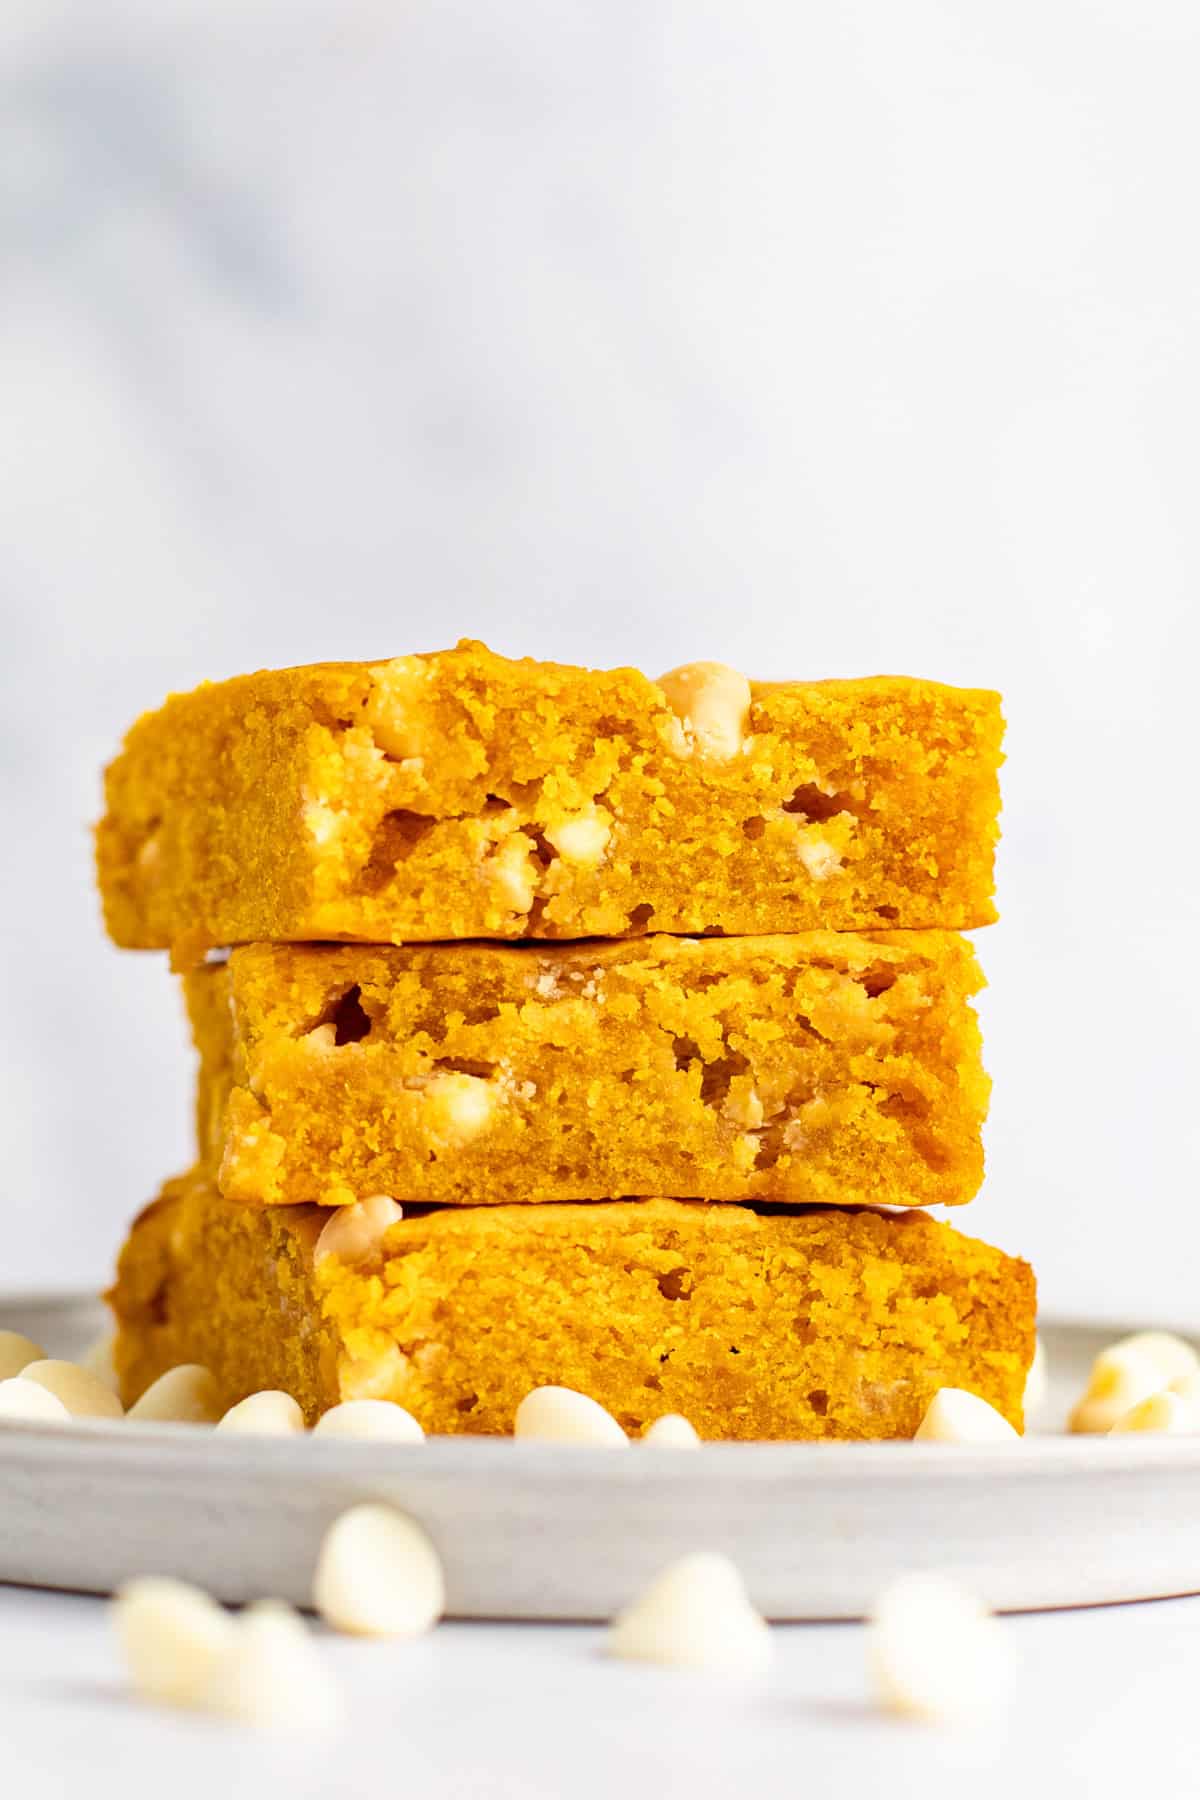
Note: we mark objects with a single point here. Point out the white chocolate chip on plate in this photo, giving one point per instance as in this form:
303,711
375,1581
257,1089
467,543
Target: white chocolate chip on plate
16,1352
1165,1412
83,1395
1171,1356
562,1416
271,1413
186,1394
672,1432
352,1233
1037,1383
380,1419
271,1673
935,1653
696,1614
955,1416
97,1359
1121,1376
171,1635
378,1575
713,702
25,1403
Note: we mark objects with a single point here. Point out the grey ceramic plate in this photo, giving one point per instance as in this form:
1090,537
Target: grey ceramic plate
530,1531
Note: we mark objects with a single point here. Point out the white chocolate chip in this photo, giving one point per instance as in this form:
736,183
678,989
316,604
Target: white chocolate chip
1120,1377
935,1653
393,709
712,701
171,1636
97,1359
378,1575
582,839
955,1416
271,1674
459,1106
562,1416
672,1432
271,1413
186,1394
1171,1356
1166,1412
24,1402
819,858
353,1233
82,1394
374,1374
322,823
381,1419
1037,1384
695,1615
512,873
16,1352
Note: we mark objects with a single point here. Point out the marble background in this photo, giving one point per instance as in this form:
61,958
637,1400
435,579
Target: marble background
821,340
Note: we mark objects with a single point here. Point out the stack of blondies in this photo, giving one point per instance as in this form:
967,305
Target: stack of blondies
565,1027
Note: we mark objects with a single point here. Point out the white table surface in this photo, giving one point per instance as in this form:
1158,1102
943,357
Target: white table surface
1105,1705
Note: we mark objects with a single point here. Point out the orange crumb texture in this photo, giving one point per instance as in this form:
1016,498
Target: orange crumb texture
823,1068
787,1323
461,794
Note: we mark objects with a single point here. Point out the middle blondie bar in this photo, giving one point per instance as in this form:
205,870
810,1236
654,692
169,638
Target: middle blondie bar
826,1067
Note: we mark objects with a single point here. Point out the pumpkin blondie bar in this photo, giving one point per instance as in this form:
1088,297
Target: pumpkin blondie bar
461,795
823,1068
772,1323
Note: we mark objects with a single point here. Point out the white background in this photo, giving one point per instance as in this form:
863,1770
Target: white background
817,339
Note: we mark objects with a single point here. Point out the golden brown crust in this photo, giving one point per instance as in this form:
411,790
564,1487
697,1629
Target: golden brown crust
463,795
776,1323
823,1068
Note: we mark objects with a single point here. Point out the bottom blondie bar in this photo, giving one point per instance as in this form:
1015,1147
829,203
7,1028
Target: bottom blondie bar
753,1322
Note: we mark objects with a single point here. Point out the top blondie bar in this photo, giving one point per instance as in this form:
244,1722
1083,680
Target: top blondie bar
464,795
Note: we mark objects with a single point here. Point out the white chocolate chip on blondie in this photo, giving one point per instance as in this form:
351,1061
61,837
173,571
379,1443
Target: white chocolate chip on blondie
353,1233
712,701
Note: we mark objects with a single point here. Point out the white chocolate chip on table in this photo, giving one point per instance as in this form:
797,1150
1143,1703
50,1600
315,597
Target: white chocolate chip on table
378,1575
16,1352
186,1394
378,1419
562,1416
25,1403
271,1674
696,1614
935,1653
955,1416
672,1432
271,1413
353,1233
83,1395
712,701
171,1636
